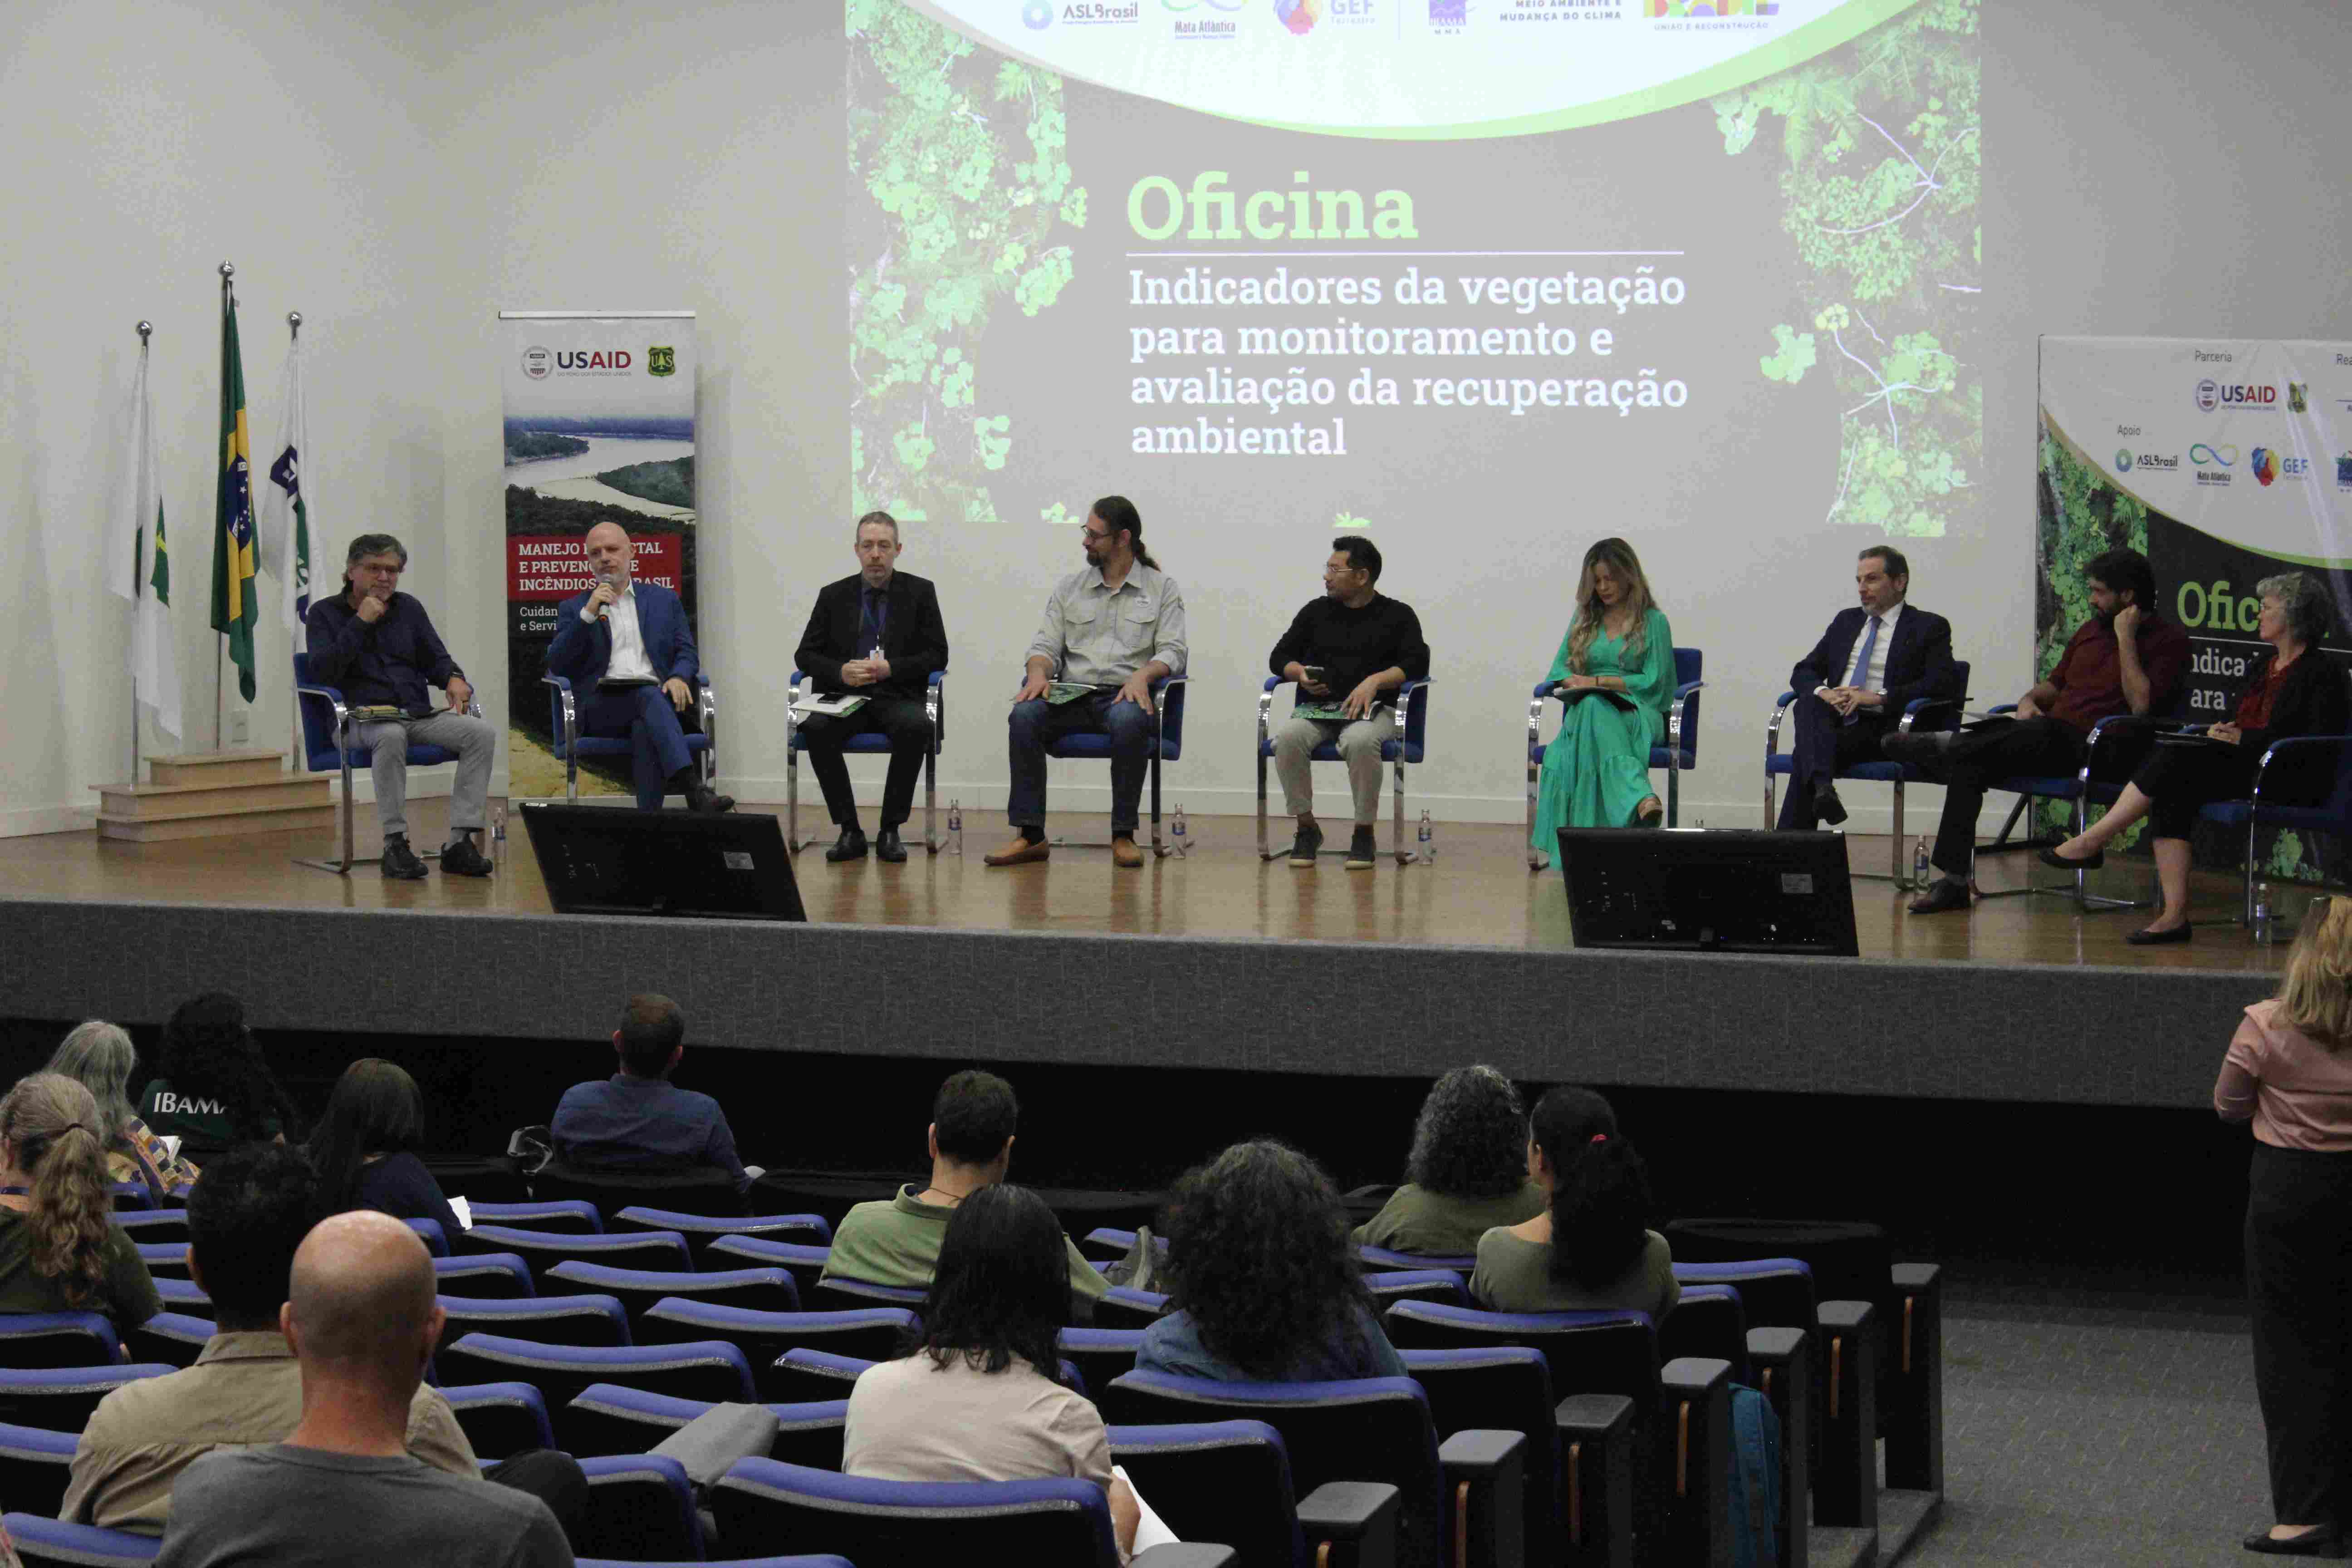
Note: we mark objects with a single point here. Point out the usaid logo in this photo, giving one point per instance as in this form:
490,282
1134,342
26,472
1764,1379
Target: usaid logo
537,361
2213,394
2208,394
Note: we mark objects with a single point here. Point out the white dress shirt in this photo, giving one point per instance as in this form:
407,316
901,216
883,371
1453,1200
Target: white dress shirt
1871,680
629,661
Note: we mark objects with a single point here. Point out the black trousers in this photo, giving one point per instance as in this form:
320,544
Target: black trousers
2179,781
2298,1280
900,717
1824,743
555,1479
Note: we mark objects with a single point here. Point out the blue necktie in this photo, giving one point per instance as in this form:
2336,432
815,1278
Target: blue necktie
1861,664
869,622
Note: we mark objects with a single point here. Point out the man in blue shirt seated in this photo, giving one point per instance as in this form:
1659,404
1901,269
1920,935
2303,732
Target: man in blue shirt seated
637,1119
378,646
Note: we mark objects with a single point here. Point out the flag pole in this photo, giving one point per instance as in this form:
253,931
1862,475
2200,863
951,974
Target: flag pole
296,759
146,330
220,641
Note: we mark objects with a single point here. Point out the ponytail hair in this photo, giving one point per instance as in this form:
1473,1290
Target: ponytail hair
51,1121
1118,514
1601,1201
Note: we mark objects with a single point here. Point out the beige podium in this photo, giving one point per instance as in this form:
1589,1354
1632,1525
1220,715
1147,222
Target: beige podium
214,795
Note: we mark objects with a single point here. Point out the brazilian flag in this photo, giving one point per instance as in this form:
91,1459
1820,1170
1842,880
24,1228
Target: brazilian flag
233,600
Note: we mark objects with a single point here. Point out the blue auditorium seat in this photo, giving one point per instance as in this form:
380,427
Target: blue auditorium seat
765,1506
62,1397
50,1543
172,1339
640,1509
58,1339
638,1290
35,1466
869,1334
490,1274
583,1319
542,1250
710,1370
572,1216
605,1418
1409,743
701,1230
501,1419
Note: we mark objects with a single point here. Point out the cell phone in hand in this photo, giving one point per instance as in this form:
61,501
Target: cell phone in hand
1312,674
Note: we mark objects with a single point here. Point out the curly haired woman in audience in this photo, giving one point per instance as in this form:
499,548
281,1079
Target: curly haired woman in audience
212,1088
2289,1072
979,1399
1263,1285
59,1251
98,1056
1468,1172
1590,1249
365,1147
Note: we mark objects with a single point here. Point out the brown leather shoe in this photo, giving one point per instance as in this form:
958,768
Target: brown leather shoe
1125,852
1020,852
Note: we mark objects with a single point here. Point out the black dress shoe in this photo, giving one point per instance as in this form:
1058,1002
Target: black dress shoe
400,862
2051,857
850,846
1826,804
887,847
2322,1541
1942,894
2148,936
460,858
709,802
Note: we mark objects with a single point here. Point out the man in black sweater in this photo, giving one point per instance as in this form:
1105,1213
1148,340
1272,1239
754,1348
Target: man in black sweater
1344,650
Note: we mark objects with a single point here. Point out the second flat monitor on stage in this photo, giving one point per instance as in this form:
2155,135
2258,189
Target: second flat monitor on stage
604,861
1720,891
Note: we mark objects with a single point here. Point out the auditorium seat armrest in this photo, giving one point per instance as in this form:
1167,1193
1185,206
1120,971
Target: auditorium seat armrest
1480,1452
1845,1487
1596,1475
1775,1346
1911,1385
1783,1363
1185,1554
1360,1517
1486,1494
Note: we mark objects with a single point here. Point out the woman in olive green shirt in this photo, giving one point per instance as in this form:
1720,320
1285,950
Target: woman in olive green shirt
59,1249
1466,1173
1590,1250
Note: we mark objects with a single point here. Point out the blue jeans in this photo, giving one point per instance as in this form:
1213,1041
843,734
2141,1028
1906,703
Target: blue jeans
656,730
1035,723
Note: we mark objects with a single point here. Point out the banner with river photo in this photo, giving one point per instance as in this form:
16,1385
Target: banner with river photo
599,428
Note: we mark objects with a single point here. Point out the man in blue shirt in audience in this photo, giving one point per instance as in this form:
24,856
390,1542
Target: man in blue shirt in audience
637,1120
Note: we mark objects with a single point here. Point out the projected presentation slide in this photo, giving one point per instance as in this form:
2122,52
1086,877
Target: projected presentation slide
1498,273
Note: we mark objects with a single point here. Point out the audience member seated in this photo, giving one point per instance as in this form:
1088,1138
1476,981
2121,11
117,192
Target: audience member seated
364,1148
98,1056
1590,1249
246,1218
973,1119
59,1251
979,1399
212,1090
341,1488
637,1120
1468,1172
1263,1285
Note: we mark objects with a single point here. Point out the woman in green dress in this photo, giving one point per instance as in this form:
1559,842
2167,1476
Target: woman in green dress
1596,771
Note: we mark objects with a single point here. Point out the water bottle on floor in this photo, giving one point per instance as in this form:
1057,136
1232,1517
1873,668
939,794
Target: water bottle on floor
1176,829
955,826
2264,928
497,835
1427,851
1922,868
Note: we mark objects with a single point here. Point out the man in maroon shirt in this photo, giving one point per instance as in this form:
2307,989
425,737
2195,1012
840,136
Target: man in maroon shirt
2125,659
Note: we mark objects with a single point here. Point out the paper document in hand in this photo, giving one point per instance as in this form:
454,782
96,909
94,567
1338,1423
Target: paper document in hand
1319,711
463,1211
1063,692
830,707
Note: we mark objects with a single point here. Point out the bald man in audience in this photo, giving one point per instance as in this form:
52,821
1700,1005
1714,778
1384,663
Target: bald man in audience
342,1489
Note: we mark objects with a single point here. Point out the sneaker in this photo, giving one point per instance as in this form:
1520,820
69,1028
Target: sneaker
1309,842
1361,851
400,862
460,858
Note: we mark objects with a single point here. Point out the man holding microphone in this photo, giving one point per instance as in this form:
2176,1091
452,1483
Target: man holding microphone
630,656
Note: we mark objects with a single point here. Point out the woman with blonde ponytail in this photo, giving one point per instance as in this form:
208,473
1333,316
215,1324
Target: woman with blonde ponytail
2289,1072
58,1252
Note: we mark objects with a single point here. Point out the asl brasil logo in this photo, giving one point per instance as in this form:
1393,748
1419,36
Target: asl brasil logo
2123,459
1037,14
1299,16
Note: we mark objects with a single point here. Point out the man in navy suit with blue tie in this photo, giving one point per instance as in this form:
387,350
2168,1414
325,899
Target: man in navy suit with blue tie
626,649
1852,688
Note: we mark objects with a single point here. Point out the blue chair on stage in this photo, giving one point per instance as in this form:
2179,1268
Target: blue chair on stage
1167,745
2309,755
570,745
331,744
1922,715
867,742
1408,744
1677,756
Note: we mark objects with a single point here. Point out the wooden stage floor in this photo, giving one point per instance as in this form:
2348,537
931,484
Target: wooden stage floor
1478,893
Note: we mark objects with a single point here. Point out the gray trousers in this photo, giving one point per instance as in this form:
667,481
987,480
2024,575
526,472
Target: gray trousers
476,741
1359,748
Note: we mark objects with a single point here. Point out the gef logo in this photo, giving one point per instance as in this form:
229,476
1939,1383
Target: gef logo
661,362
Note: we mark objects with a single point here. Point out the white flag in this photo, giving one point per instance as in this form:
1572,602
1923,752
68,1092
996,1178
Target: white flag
285,502
155,672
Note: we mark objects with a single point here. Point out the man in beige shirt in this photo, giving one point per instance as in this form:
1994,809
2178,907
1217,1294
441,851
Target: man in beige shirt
246,1217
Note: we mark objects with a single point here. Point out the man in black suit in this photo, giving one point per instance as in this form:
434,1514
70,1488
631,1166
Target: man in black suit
1852,688
875,635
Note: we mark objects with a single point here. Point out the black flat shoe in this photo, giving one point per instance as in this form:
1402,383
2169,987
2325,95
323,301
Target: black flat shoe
2322,1541
888,847
2148,936
1827,805
850,846
2050,856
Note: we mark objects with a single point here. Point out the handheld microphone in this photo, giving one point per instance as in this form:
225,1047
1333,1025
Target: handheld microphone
603,612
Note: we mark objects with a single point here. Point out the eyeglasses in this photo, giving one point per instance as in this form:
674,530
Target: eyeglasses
1091,533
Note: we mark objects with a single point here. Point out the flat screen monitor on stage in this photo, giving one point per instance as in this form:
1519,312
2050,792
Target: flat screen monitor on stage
1721,891
598,860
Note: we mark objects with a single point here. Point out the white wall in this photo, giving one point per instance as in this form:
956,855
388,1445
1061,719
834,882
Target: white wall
2150,169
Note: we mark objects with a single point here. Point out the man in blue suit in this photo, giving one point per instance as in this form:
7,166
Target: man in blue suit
1852,688
626,649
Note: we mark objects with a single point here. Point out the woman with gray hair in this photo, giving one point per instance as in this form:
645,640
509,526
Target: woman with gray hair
2294,689
98,1056
1468,1172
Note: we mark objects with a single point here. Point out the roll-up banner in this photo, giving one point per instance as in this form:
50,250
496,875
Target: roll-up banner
599,428
2226,461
